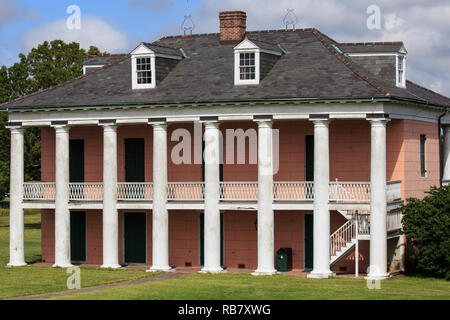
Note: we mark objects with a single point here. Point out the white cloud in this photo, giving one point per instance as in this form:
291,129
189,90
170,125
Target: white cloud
10,11
93,31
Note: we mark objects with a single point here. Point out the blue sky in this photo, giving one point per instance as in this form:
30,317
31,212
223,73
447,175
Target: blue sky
118,26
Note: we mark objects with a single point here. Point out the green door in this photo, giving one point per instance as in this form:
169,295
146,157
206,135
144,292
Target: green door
309,242
202,240
76,160
135,237
134,160
78,237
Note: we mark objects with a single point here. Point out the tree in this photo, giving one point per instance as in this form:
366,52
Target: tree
47,65
426,224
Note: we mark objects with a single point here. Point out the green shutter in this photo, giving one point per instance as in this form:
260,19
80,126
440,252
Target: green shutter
134,160
78,236
76,160
423,169
135,237
309,242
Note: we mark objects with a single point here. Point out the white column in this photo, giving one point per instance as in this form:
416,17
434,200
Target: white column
321,218
16,219
160,233
265,200
212,184
110,214
62,213
378,201
446,155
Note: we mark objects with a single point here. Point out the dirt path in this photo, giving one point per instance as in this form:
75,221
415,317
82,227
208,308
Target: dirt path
102,287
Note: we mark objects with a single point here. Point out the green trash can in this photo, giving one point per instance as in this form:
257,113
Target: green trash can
284,259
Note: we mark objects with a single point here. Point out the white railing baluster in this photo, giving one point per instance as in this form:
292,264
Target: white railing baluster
185,191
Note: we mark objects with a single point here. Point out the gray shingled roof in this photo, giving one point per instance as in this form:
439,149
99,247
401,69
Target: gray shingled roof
310,69
161,49
371,47
266,45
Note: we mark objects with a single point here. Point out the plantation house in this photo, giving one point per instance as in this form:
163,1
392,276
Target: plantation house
340,136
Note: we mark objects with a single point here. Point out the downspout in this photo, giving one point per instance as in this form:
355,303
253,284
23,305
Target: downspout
441,158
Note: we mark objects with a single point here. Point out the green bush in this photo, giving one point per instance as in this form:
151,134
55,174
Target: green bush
426,223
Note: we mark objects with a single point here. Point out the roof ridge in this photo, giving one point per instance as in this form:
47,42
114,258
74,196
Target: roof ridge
348,64
253,31
369,43
68,81
428,90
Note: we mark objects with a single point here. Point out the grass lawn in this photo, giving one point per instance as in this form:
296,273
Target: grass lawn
29,280
36,280
243,287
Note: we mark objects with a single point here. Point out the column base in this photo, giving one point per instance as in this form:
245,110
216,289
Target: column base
63,265
110,266
376,277
213,270
19,264
161,269
321,275
264,272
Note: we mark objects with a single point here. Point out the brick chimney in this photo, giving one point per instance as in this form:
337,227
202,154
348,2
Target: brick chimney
233,25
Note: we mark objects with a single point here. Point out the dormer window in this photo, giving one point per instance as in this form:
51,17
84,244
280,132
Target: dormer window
248,57
151,63
401,78
144,70
247,66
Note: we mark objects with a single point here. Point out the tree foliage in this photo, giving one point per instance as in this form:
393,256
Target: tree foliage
426,223
49,64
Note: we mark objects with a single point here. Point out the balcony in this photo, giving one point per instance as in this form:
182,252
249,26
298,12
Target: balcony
339,192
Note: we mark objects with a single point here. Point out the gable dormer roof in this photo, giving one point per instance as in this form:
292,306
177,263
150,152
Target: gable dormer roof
158,50
253,44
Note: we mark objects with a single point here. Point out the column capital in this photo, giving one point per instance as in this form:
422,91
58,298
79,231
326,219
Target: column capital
109,127
321,123
161,126
381,122
16,130
264,123
212,124
446,127
61,128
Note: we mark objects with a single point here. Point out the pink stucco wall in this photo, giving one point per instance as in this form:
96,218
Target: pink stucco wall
349,161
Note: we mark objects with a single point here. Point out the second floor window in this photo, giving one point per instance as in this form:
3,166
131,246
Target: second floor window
247,66
144,70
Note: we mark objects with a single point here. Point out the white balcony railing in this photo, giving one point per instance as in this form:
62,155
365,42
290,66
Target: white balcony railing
185,191
39,191
238,191
135,191
86,191
349,192
293,191
394,190
340,192
394,220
